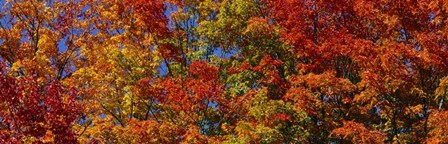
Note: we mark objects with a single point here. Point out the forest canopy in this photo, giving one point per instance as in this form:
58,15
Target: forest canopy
223,71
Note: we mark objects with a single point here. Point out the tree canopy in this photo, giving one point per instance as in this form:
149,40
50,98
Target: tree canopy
223,71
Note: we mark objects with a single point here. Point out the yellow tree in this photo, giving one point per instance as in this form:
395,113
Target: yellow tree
122,47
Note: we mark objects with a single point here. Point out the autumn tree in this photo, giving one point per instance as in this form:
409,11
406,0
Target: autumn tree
382,51
37,49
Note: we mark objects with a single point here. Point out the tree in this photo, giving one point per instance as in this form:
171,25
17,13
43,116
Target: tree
382,49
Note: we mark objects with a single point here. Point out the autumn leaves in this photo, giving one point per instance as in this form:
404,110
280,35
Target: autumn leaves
230,71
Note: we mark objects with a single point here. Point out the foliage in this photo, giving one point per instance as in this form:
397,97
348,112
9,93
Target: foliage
223,71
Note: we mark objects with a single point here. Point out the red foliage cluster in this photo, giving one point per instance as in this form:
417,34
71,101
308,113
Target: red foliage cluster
30,110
